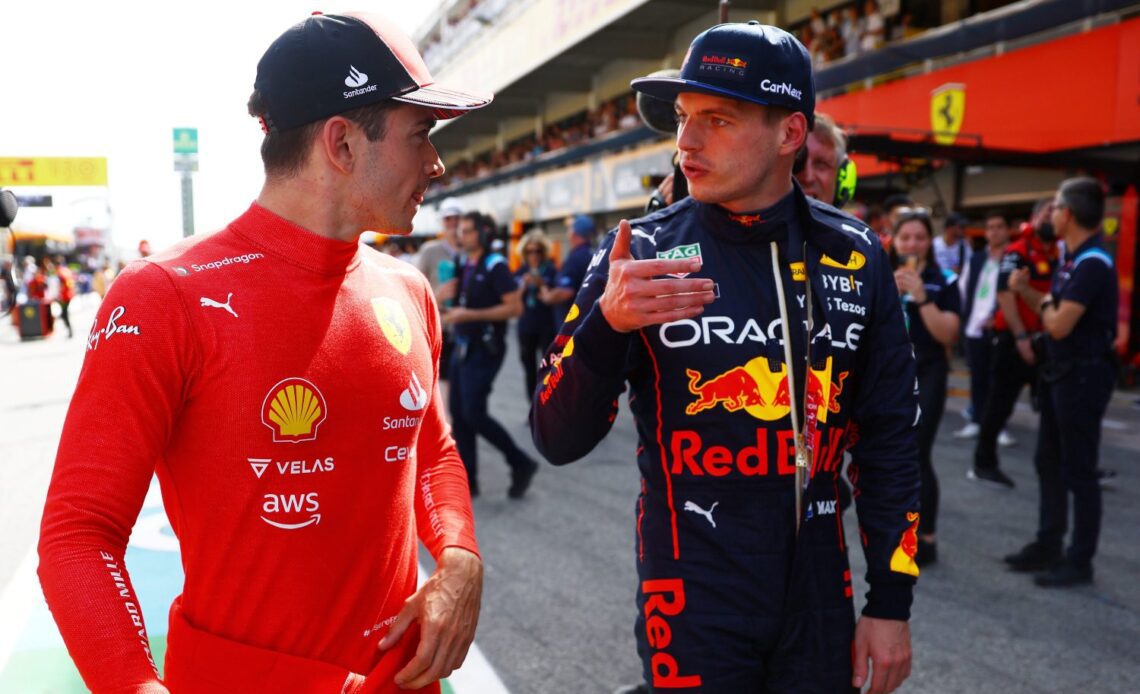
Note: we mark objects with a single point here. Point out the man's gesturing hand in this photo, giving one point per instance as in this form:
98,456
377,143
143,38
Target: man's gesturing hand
886,643
447,608
633,299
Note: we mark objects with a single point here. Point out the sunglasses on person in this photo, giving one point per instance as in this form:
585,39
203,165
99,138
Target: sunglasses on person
908,213
529,251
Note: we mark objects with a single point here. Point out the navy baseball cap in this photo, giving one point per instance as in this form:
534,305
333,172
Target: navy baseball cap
752,62
332,63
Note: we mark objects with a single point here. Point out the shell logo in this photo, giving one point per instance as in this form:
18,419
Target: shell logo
293,410
856,261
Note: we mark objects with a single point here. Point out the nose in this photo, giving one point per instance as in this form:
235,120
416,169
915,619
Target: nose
688,137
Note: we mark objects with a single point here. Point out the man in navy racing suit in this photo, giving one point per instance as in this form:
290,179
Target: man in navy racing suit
691,305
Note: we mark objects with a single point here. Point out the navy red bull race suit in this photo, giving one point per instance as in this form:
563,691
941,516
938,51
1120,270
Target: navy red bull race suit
730,599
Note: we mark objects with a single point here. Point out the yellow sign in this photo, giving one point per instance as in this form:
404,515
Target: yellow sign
947,110
53,171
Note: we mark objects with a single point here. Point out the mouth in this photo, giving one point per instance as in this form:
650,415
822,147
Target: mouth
693,170
418,196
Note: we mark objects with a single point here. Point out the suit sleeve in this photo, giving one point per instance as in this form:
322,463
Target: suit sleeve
582,374
884,466
442,497
140,358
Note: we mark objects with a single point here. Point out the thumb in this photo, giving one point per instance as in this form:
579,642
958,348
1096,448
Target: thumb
403,621
620,250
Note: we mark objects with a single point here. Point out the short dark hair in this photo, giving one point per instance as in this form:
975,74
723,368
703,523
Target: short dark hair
1084,197
990,214
897,200
283,152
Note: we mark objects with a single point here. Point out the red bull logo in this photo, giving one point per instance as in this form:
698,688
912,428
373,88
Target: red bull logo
762,392
747,220
736,62
902,561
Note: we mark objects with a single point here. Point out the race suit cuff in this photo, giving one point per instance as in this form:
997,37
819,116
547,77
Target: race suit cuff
891,601
599,346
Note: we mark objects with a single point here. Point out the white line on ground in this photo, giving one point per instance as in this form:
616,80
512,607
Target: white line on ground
16,602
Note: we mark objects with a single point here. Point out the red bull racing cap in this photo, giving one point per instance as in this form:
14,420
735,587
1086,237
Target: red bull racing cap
332,63
752,62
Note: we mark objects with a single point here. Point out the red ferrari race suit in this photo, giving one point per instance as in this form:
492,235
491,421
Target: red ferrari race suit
283,387
730,599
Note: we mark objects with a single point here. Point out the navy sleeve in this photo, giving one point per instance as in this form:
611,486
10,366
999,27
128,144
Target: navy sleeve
573,270
884,464
1089,280
501,279
582,375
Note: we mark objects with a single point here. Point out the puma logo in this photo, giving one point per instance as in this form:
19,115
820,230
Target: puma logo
690,506
213,304
864,233
638,232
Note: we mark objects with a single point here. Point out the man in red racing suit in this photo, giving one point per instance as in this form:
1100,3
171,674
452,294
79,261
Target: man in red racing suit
281,380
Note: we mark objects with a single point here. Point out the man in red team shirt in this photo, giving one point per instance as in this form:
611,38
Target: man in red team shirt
281,380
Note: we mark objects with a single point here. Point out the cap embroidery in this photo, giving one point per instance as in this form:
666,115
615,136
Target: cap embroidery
355,77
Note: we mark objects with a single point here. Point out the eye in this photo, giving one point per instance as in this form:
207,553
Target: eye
719,122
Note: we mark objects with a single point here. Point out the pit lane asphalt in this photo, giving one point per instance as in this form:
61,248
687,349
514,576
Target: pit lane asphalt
560,579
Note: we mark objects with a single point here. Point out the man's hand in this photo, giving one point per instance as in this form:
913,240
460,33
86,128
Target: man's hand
633,299
447,609
1025,349
886,643
1019,280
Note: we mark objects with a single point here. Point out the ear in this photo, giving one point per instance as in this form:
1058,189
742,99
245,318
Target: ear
794,133
336,142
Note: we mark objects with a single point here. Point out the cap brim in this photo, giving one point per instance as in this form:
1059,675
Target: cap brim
668,89
444,102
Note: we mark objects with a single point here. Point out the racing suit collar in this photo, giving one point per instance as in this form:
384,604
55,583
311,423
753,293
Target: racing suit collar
294,244
760,226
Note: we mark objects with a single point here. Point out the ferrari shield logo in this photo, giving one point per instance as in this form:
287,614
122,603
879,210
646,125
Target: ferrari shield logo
394,322
947,110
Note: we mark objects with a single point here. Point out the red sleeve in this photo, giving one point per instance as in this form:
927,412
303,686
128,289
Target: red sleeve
443,499
139,358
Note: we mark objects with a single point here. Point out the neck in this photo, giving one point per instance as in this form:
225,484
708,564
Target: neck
475,255
1075,236
307,202
996,252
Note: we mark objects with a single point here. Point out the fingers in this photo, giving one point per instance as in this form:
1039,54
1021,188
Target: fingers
403,620
419,672
859,665
620,250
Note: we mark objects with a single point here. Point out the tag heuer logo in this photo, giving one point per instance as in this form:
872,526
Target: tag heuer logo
686,252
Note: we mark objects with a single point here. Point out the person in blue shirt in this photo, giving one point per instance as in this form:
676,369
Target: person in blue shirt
1079,319
486,297
580,236
535,326
931,303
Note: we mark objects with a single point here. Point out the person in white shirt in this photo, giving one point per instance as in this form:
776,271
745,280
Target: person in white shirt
951,249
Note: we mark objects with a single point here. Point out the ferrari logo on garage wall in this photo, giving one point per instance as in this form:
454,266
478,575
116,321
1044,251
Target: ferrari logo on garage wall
947,111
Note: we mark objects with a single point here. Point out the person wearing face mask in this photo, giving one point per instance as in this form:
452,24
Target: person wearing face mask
931,304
